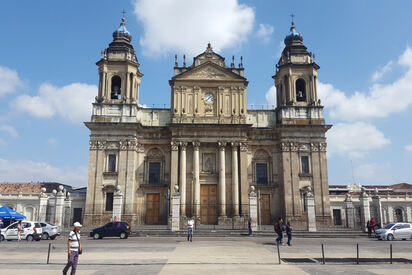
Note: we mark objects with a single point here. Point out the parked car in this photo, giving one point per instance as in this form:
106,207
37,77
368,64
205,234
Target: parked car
111,229
50,231
395,231
31,231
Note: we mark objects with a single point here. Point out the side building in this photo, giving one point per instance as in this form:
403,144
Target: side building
207,143
52,202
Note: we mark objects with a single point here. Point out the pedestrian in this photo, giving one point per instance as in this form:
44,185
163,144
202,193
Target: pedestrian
115,219
278,229
249,226
74,249
289,232
1,223
369,227
373,224
19,230
190,225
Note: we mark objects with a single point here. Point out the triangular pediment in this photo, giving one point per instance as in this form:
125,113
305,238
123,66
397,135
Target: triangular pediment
210,71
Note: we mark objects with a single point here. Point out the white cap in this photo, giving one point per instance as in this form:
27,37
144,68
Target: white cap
77,224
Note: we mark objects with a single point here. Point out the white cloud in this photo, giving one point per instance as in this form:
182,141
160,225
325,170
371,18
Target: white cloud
271,96
26,171
355,139
382,71
188,25
52,141
264,32
72,102
9,81
408,148
9,129
380,101
373,173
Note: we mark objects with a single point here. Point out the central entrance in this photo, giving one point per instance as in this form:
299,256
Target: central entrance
152,208
265,208
208,203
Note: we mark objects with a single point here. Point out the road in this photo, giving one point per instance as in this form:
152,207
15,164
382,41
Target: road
234,255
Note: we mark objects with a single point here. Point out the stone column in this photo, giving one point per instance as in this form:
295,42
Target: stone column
67,212
117,203
196,146
222,180
59,208
408,214
390,214
244,184
176,209
173,167
310,210
182,183
235,179
350,211
253,210
42,205
377,208
365,209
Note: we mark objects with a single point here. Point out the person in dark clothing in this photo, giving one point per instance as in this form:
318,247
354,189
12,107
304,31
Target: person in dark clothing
278,229
289,232
373,225
369,227
249,226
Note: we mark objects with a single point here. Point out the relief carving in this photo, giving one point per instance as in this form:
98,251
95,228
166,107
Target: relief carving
174,145
208,72
314,147
243,147
322,146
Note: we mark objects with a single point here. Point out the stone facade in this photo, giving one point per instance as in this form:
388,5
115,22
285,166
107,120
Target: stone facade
384,203
45,201
208,143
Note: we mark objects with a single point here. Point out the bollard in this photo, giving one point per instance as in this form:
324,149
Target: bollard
390,249
48,254
323,255
277,244
357,253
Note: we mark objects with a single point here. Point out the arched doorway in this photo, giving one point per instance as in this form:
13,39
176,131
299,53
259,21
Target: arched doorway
398,215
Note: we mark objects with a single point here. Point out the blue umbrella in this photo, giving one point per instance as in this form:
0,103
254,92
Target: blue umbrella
7,213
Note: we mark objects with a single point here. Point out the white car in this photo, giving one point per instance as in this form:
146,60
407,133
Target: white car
31,231
395,231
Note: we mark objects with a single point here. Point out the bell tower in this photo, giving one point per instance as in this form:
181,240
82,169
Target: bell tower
296,83
119,75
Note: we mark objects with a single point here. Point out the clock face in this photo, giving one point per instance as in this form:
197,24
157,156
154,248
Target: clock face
209,98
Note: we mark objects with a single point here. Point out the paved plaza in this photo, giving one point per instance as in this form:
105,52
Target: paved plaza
206,255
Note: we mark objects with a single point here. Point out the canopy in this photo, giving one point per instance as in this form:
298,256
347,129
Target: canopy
7,213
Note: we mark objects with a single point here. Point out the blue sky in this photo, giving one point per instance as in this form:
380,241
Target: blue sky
48,75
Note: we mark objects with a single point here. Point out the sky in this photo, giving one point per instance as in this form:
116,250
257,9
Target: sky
48,76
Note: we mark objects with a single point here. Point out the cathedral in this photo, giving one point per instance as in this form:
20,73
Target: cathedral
207,146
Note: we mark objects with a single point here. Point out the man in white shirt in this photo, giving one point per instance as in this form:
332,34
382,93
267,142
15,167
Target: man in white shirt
190,225
74,249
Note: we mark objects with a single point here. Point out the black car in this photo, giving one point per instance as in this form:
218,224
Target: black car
111,229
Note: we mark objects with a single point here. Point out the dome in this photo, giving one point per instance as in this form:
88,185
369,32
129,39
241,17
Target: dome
122,32
293,35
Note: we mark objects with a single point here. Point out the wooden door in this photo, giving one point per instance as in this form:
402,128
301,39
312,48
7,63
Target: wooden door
152,208
265,208
208,204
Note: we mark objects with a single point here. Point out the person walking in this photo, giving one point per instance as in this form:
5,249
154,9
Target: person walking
74,249
373,225
289,232
369,227
249,226
278,229
19,230
190,225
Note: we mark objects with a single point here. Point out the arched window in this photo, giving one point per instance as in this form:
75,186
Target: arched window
399,215
300,90
116,87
